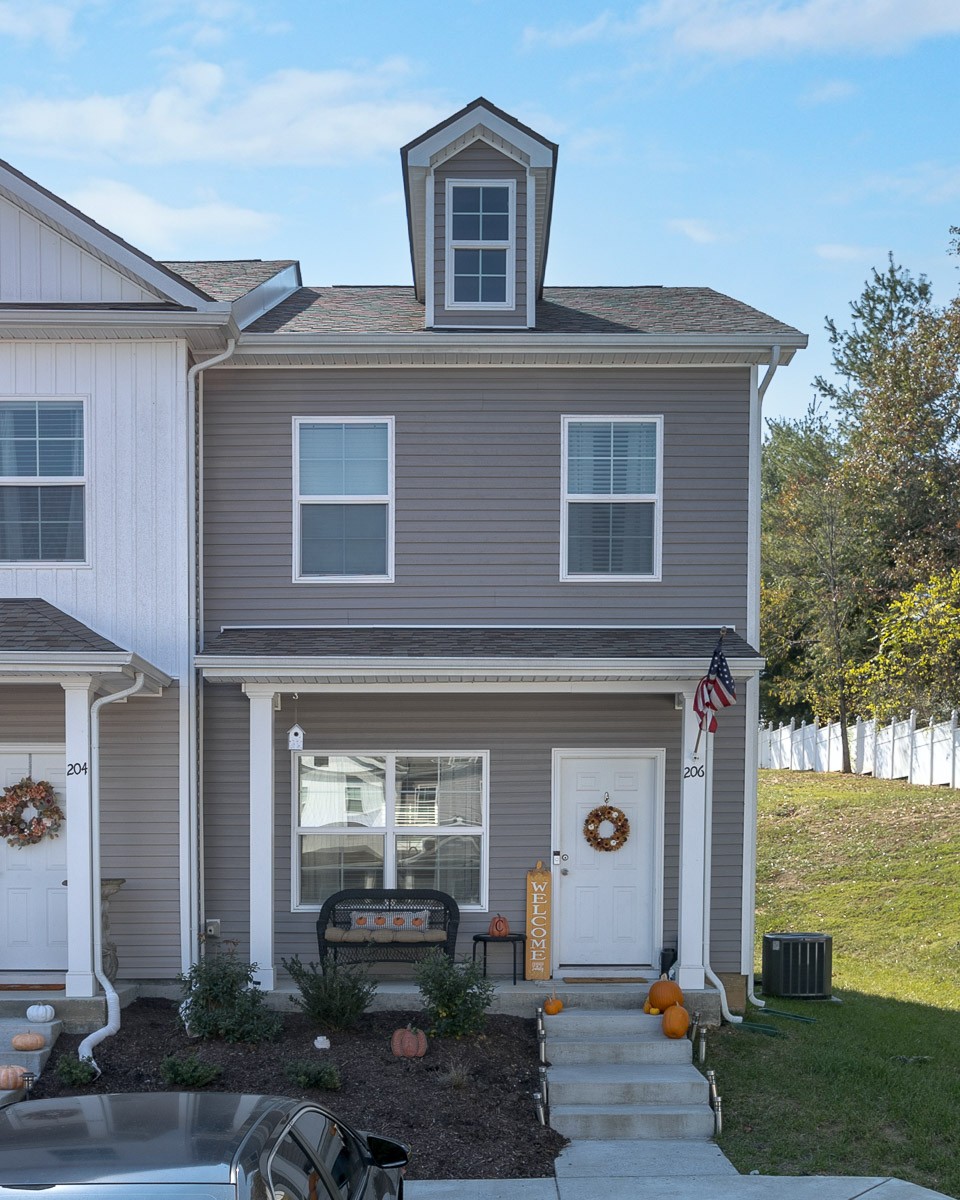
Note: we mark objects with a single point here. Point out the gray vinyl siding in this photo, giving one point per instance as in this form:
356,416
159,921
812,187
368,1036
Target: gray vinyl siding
479,161
520,732
477,496
139,778
139,772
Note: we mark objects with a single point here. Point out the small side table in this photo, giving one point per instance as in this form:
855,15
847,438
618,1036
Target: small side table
514,939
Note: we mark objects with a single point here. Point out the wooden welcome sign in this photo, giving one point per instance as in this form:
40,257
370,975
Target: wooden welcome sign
537,965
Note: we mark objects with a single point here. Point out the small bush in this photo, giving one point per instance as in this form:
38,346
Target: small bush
75,1072
306,1074
337,997
188,1072
221,1002
455,995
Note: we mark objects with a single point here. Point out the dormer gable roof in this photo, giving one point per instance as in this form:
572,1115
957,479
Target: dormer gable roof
479,121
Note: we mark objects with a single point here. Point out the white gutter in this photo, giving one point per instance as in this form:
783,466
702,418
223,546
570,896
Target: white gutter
770,371
85,1049
707,878
190,884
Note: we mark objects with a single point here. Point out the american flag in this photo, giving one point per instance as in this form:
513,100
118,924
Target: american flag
715,690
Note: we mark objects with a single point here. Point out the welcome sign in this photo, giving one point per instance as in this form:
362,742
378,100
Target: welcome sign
537,964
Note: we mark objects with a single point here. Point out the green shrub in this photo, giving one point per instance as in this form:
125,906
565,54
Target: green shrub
455,995
221,1002
75,1072
306,1074
337,997
188,1072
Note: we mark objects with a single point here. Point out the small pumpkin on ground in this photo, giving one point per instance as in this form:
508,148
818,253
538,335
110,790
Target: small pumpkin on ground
499,926
28,1041
409,1042
676,1021
11,1077
664,994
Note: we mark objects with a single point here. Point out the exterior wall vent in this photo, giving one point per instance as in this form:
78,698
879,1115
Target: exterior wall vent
798,965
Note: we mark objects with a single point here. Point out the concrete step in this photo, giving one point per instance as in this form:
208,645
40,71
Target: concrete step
626,1084
589,1022
617,1049
33,1060
621,1121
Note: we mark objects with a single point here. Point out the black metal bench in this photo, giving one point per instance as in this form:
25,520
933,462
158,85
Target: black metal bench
386,925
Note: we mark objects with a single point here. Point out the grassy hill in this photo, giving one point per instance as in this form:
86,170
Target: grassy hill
872,1087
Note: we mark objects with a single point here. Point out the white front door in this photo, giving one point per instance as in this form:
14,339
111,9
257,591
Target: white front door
33,899
609,902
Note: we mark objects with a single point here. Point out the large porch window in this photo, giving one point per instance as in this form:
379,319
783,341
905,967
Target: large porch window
406,820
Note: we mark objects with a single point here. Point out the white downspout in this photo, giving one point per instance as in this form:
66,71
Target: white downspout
707,881
85,1049
191,895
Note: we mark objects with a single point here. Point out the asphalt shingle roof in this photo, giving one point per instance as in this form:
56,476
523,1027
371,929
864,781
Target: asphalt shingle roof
651,310
228,280
31,624
474,642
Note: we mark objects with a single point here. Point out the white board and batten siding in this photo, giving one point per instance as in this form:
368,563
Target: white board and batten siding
478,504
520,733
133,588
38,265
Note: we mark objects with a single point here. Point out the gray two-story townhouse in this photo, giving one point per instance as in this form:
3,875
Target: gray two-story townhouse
466,548
99,354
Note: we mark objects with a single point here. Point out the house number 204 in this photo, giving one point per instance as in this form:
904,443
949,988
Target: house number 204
691,772
76,768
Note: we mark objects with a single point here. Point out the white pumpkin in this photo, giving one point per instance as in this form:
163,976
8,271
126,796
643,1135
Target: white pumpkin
40,1012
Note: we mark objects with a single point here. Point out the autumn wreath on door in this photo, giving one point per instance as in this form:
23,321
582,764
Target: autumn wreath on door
606,814
29,812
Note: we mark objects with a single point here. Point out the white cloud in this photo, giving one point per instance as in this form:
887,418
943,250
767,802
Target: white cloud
50,23
743,29
929,182
696,230
162,230
292,117
828,92
840,252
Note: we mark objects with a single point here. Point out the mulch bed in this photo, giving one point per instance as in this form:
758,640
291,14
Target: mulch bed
465,1109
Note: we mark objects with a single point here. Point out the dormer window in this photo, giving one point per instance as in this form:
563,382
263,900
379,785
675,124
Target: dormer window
481,244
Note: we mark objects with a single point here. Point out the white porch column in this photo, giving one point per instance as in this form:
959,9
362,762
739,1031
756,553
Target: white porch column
694,780
261,835
80,980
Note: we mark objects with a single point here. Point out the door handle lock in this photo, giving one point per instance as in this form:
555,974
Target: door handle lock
564,871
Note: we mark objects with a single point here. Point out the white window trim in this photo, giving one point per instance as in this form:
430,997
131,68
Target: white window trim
68,564
510,246
566,499
299,500
390,830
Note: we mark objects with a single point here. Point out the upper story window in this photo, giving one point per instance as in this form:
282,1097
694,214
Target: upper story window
611,498
42,480
481,250
343,485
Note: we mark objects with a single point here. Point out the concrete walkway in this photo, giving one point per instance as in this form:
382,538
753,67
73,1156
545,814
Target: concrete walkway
653,1170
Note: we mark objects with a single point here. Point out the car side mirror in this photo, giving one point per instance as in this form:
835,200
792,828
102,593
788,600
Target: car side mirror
387,1153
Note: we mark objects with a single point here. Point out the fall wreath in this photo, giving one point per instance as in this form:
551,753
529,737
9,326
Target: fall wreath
29,812
595,818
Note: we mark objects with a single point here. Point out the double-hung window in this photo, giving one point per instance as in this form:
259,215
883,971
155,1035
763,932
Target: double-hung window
612,481
396,820
343,485
42,480
481,251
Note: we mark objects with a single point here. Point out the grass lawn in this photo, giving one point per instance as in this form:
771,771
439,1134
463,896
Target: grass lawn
873,1087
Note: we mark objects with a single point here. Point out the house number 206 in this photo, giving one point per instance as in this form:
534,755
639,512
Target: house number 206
694,772
76,768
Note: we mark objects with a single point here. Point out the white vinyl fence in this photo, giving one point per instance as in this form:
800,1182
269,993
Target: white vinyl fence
926,754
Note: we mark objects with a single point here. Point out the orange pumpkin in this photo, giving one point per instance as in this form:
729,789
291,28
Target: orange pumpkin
499,926
409,1042
553,1006
28,1041
11,1077
676,1021
665,993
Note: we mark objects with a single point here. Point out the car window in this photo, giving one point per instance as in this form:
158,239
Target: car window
294,1174
335,1148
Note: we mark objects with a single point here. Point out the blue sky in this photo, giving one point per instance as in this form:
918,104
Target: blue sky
775,150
